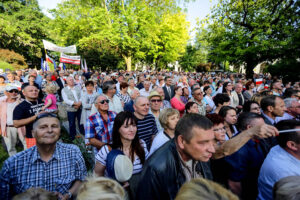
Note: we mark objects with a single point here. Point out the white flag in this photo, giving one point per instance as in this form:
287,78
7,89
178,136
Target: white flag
85,66
54,47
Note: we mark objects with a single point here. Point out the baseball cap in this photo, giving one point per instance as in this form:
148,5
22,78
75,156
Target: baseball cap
10,87
154,94
118,166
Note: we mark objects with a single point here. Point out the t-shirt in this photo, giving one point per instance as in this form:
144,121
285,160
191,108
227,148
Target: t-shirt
25,110
146,128
53,98
101,157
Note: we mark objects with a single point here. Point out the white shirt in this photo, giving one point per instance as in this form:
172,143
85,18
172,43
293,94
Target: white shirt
144,93
9,112
160,139
65,97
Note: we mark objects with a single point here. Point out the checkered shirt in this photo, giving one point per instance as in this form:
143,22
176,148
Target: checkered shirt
95,127
26,170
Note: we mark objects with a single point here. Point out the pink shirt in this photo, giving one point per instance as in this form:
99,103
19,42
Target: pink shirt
178,105
53,98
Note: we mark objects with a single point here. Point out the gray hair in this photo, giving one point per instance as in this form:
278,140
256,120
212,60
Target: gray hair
131,91
138,98
287,188
289,102
107,85
100,95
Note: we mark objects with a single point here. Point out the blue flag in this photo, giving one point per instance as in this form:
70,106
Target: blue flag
64,66
42,64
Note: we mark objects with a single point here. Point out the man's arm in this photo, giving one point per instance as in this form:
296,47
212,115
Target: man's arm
65,98
73,190
23,122
234,144
96,143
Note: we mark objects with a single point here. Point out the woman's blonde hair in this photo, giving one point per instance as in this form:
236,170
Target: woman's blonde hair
204,189
50,88
100,188
36,194
165,114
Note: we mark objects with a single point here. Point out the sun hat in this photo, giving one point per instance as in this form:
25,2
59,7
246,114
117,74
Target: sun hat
10,87
154,94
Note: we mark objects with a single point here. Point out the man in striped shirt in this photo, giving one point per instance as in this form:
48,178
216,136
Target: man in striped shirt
146,127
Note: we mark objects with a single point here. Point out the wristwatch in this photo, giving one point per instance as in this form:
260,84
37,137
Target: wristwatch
70,194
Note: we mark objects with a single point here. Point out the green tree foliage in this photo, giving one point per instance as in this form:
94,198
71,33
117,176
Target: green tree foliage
112,32
22,28
192,58
290,67
249,32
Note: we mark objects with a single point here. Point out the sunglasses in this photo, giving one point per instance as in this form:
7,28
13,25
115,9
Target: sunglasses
13,91
156,100
43,115
104,101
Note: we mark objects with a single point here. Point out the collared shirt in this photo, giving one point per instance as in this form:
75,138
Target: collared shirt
159,127
278,164
96,127
26,169
189,169
269,118
285,116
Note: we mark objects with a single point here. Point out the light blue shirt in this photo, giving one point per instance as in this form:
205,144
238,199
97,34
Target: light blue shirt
278,164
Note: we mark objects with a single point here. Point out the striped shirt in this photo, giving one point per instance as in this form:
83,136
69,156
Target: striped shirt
101,157
26,169
146,128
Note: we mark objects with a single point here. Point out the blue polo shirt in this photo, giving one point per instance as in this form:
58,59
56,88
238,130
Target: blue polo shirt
244,167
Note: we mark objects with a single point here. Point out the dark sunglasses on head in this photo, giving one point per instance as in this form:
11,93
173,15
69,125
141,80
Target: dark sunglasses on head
43,115
155,100
104,101
13,91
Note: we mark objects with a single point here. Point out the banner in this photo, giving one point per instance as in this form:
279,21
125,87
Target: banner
75,60
54,47
51,60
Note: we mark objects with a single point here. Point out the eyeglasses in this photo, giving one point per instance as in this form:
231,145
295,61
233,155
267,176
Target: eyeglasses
255,108
104,101
43,115
198,93
155,100
13,91
113,88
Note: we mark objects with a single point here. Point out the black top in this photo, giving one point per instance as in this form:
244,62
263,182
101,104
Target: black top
25,110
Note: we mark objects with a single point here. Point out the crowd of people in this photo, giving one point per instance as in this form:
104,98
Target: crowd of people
153,135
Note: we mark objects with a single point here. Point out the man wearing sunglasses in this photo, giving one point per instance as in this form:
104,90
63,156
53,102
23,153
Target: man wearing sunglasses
51,165
99,126
9,133
155,105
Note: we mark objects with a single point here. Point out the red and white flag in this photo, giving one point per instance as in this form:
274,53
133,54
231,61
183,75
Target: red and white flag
258,81
75,60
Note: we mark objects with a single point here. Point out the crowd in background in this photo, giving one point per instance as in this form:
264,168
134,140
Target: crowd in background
151,119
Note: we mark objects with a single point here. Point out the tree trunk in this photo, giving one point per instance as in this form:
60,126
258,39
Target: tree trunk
128,62
249,69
